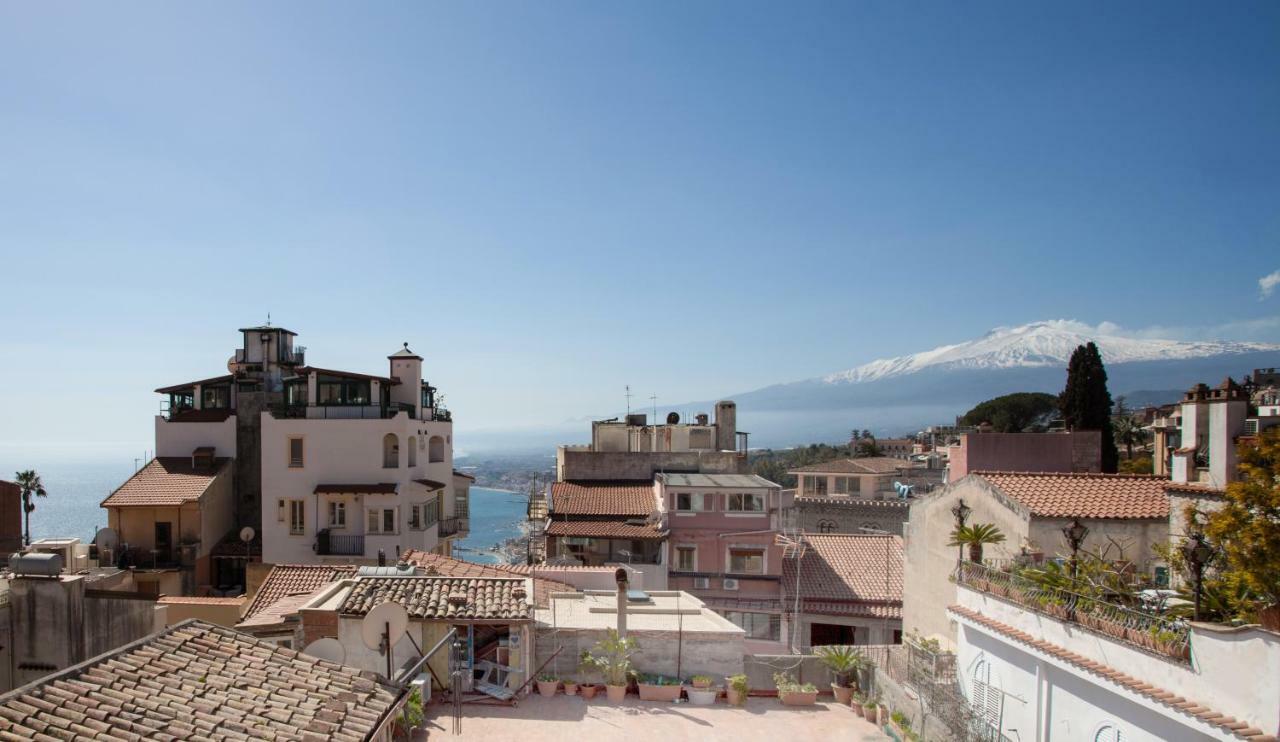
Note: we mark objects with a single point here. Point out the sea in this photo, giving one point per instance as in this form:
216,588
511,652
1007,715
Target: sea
79,479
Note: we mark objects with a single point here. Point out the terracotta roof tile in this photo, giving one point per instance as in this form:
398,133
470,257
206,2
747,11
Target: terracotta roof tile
199,600
869,465
198,680
845,575
1075,495
604,529
1132,684
571,498
443,566
167,481
443,598
295,579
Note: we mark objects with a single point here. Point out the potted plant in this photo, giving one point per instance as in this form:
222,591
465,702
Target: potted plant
844,662
737,690
792,693
658,687
900,724
547,685
409,726
570,687
855,703
588,690
611,656
701,693
869,708
974,537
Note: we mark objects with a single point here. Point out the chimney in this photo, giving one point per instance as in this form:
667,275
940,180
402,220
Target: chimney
726,425
620,576
382,558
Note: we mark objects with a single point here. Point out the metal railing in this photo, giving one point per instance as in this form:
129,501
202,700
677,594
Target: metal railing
335,544
451,526
1166,637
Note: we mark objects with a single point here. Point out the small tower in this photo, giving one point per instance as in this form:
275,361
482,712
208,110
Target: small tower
406,367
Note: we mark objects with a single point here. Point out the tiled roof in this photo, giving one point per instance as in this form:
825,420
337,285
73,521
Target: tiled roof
1076,495
846,575
197,680
443,598
376,488
224,379
1128,682
604,529
295,579
869,465
277,615
166,481
847,501
443,566
464,475
1191,488
198,600
570,498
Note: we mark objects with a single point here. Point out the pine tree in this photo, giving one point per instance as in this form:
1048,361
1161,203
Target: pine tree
1085,402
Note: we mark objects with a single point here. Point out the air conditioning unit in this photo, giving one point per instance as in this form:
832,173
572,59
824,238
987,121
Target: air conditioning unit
730,583
701,583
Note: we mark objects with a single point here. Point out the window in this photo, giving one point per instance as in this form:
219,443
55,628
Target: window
743,502
423,515
382,520
987,699
390,451
1108,733
815,485
757,625
435,450
848,485
297,517
296,457
693,501
686,559
337,515
338,390
746,561
413,451
295,393
216,397
826,526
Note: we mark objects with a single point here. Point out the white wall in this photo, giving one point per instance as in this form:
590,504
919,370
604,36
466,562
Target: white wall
180,439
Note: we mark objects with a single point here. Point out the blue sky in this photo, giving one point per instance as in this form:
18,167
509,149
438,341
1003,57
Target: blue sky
551,200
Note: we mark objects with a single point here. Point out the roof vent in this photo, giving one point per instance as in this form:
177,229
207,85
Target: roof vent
431,570
457,599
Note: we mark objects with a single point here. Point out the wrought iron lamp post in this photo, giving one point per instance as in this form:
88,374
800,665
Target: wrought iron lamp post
1197,551
961,513
1075,535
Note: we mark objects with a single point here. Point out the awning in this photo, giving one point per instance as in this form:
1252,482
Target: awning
431,484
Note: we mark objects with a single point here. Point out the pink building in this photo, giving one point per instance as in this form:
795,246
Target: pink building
721,541
1079,451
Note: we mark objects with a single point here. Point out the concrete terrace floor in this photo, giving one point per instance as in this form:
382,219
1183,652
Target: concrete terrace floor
561,718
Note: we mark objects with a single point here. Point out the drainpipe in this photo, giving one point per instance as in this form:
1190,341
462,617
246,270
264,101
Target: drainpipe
620,576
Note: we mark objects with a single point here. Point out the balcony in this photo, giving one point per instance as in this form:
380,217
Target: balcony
452,527
356,412
1167,638
333,544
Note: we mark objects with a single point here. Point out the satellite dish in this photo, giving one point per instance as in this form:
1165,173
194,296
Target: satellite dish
327,649
246,534
107,539
673,418
384,618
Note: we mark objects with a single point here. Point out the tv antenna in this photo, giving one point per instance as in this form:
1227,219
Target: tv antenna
653,399
383,627
628,396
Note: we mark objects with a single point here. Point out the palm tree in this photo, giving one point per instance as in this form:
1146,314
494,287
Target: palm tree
30,485
1130,432
974,537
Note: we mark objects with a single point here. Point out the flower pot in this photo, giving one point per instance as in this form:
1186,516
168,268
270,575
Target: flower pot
548,687
588,690
615,693
798,698
843,694
702,696
734,697
570,689
666,693
856,705
869,712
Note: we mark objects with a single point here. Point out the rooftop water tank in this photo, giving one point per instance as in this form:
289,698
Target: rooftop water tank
36,564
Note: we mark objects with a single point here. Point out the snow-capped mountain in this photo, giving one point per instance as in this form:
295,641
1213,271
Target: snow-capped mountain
1040,344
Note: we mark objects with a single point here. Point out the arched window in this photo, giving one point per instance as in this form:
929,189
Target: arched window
390,451
987,698
1108,733
435,448
413,451
826,526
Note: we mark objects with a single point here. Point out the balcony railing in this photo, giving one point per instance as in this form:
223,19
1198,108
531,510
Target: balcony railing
355,412
451,526
335,544
1167,637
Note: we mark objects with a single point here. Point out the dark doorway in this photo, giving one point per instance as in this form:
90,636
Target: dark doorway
164,543
822,634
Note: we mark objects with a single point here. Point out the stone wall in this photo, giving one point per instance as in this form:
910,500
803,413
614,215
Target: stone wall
698,653
574,464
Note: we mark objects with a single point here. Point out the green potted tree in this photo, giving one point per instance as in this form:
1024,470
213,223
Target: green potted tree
844,662
611,656
737,690
975,537
793,693
700,691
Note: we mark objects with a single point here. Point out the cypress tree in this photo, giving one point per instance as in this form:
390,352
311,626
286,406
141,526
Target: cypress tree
1085,402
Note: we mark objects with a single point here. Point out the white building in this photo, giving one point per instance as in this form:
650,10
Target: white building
328,465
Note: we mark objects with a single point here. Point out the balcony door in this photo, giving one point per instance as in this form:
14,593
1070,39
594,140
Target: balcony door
164,542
